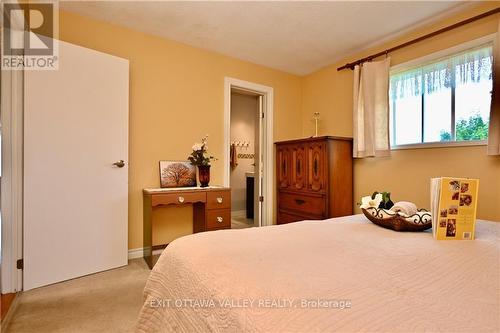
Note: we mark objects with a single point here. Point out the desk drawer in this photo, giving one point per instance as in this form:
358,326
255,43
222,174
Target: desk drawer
177,198
218,199
218,219
303,204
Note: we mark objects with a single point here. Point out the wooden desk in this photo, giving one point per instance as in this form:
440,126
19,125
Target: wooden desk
211,210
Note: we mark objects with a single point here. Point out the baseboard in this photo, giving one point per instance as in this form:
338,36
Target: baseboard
160,247
135,253
139,252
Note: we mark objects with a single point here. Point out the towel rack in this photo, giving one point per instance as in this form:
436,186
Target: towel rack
245,144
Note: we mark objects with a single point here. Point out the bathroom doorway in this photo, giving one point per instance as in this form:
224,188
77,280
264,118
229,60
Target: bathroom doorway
248,163
244,150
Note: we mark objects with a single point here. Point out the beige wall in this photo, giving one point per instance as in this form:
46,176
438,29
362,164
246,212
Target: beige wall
244,113
406,173
176,97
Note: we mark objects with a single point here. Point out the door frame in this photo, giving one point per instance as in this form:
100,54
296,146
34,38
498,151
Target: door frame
12,100
268,145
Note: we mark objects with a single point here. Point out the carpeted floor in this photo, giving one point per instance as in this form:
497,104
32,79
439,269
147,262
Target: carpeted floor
240,221
104,302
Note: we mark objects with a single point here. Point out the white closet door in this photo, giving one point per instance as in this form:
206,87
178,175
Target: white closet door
75,199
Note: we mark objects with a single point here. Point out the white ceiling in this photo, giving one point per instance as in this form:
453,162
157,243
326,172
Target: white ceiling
296,37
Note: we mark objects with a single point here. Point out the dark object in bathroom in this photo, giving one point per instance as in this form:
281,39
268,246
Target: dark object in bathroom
250,199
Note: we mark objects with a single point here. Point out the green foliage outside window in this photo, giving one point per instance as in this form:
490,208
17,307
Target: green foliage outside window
472,129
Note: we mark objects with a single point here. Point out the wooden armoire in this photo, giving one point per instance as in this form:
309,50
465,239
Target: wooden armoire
314,178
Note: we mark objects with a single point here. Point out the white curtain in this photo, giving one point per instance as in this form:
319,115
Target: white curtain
494,127
469,66
371,109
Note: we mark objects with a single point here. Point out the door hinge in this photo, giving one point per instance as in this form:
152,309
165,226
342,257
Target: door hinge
262,115
261,199
20,264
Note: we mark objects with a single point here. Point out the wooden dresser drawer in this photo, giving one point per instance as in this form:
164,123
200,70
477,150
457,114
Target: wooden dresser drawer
284,218
218,199
218,219
178,198
303,204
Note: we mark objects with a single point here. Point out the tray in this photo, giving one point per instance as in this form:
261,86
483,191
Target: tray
395,221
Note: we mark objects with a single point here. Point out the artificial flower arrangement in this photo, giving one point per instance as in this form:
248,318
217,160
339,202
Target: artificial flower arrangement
377,200
202,159
200,155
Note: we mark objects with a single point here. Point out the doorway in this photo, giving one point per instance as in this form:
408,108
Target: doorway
244,150
248,158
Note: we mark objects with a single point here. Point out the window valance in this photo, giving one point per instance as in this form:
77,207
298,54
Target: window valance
473,65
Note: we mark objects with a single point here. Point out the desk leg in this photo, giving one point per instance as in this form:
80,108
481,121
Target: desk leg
199,217
147,230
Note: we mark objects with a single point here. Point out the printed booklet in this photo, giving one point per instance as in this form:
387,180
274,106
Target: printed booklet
453,207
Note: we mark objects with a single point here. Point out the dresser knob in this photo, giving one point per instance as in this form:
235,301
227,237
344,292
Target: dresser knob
219,219
300,201
181,199
219,200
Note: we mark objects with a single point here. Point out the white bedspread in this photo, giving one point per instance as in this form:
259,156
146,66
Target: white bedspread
273,277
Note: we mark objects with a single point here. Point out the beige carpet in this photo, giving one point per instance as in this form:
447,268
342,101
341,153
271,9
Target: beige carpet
240,221
105,302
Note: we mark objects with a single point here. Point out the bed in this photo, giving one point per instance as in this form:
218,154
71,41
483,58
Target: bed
337,275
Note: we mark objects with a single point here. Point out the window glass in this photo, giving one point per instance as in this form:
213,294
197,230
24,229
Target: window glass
408,120
437,116
472,110
448,99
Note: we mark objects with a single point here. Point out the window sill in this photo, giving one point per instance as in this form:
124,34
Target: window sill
440,145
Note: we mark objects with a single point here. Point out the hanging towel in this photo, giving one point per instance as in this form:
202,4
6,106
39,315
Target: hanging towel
234,156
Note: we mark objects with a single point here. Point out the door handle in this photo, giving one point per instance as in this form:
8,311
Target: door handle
300,201
120,163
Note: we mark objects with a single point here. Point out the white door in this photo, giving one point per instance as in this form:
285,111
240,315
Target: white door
75,198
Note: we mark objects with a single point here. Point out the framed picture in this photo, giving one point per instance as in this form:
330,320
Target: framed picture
177,174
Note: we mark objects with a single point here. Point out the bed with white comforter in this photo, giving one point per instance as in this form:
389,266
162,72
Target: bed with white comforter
338,275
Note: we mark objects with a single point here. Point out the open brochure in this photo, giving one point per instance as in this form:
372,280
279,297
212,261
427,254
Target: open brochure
453,207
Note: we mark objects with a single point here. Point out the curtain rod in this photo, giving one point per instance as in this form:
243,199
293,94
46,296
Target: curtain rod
416,40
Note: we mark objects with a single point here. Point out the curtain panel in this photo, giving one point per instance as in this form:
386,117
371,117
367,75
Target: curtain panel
371,109
494,127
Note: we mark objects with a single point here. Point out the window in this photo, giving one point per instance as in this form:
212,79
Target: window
446,99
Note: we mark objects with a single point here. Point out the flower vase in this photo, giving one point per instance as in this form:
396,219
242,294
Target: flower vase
204,175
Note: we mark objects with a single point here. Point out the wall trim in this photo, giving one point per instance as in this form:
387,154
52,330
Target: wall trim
12,110
267,94
139,253
443,144
136,253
